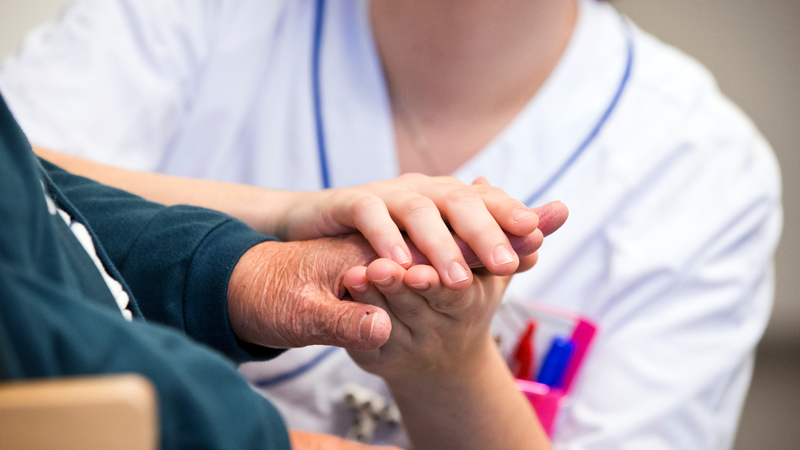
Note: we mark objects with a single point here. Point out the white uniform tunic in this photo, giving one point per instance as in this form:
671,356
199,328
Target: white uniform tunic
674,205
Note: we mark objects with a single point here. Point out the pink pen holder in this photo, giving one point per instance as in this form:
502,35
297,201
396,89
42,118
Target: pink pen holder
546,402
510,323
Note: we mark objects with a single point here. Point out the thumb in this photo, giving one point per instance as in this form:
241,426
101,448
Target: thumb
284,295
551,216
341,323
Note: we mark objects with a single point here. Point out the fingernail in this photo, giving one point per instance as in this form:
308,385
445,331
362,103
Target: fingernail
384,282
360,287
365,327
502,256
420,286
522,214
399,255
457,273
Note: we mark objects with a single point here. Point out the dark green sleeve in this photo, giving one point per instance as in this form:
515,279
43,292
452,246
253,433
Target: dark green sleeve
204,403
176,260
49,328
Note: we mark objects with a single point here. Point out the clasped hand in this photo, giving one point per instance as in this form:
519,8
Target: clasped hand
288,294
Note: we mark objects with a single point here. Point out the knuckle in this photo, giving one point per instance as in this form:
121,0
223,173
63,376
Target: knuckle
331,326
442,245
383,229
488,230
446,305
491,191
407,309
340,324
417,205
462,195
305,326
364,204
341,197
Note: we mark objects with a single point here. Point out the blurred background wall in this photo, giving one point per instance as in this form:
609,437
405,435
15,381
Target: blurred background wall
753,48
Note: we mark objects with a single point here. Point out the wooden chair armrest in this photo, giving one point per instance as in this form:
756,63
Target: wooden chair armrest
104,412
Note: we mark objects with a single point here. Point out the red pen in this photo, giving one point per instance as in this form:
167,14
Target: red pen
524,356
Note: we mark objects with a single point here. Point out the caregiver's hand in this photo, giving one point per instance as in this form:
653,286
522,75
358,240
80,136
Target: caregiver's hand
491,225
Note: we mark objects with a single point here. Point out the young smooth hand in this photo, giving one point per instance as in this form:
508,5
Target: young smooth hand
435,330
487,222
441,364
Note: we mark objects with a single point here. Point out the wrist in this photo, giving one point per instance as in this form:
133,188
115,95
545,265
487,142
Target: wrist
273,211
450,373
479,403
246,296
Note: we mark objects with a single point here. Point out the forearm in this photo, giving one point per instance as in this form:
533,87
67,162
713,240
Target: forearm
478,408
257,207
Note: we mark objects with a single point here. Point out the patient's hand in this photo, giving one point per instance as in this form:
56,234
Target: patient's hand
434,329
446,374
288,294
444,370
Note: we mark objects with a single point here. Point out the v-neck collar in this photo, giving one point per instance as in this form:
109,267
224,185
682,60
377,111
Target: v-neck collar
536,143
554,123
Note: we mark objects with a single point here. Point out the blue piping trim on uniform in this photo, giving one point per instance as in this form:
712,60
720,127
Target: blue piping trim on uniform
315,85
596,130
296,372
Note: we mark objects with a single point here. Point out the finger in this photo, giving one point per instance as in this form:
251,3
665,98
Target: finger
424,281
527,262
481,181
369,215
551,216
423,222
341,323
321,318
511,215
523,246
404,303
468,216
362,290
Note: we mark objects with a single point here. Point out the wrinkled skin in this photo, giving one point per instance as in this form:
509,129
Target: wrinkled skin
292,295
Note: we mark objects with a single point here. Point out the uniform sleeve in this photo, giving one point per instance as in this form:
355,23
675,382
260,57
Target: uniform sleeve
111,79
176,260
687,292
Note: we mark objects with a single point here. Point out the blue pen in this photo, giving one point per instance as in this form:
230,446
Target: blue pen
555,363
